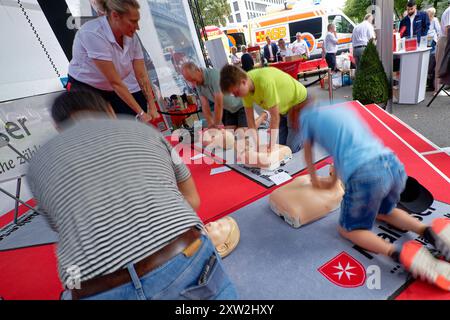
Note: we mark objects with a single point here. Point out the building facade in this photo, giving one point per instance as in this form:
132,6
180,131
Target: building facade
243,10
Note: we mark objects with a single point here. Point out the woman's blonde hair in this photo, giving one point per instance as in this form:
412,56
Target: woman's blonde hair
431,11
120,6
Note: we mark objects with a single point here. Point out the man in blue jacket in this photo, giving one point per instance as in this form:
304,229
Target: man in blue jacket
270,51
416,23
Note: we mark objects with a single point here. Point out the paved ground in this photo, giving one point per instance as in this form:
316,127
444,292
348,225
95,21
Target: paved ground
432,122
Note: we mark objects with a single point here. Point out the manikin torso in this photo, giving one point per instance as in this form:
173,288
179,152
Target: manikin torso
299,203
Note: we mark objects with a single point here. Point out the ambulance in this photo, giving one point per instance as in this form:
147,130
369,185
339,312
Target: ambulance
237,34
311,21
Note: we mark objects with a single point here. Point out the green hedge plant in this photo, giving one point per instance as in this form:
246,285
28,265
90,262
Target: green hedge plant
371,84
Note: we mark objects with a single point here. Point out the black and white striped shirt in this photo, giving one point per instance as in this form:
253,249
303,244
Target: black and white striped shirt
109,188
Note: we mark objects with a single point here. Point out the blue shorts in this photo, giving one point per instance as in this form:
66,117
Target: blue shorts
372,189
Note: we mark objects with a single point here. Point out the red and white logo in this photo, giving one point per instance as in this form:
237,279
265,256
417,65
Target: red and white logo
344,271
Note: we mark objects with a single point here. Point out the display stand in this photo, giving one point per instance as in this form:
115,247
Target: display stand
410,82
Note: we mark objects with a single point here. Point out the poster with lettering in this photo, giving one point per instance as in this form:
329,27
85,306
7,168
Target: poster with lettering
26,125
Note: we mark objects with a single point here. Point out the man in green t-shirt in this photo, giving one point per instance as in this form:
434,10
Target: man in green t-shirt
228,110
275,91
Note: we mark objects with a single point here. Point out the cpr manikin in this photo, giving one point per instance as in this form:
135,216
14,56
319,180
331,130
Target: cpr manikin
218,138
264,159
224,234
299,203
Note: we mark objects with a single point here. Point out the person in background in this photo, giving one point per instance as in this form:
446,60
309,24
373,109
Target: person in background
228,109
130,231
442,42
299,47
234,58
329,48
285,51
433,35
415,24
275,91
108,59
270,51
247,62
361,36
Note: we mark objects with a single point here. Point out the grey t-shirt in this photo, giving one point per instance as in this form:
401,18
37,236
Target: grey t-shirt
211,86
109,188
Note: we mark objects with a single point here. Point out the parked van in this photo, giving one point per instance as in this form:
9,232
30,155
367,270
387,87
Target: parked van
312,22
236,34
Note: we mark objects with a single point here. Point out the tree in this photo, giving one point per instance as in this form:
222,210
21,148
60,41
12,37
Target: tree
214,12
371,84
357,9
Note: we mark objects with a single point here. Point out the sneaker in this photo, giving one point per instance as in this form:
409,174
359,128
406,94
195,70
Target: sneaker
440,231
421,263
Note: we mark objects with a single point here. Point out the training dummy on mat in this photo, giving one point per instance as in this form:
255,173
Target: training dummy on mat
224,234
299,203
374,179
263,158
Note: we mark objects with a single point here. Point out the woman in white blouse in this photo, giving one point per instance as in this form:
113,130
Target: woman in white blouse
108,59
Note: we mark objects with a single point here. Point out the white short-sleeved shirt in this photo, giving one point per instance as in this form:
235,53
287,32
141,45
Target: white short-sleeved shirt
435,29
362,33
330,43
95,40
300,47
445,21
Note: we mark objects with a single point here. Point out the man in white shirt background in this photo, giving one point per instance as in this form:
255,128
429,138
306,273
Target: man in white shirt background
329,48
299,47
442,42
362,34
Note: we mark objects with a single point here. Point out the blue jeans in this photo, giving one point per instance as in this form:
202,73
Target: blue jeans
288,136
177,279
372,189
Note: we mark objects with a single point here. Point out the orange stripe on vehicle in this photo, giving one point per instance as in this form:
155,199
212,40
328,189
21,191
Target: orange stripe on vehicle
344,40
286,19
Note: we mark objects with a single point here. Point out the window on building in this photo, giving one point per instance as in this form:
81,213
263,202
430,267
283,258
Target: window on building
236,6
313,26
238,17
231,19
246,5
342,24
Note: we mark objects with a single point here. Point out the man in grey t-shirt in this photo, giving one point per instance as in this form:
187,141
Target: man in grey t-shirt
228,110
123,204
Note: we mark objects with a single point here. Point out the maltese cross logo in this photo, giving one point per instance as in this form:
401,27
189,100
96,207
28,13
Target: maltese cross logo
344,271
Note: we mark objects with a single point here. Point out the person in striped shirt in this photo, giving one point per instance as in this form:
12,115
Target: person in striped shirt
123,205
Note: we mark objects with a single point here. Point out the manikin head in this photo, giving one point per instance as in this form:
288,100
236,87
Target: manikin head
224,234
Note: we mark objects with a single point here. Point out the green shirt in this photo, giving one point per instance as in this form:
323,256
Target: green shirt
211,86
274,87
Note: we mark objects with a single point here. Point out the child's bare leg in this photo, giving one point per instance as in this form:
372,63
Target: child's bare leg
368,240
402,220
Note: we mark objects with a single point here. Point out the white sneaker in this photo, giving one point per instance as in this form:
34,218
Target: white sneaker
421,263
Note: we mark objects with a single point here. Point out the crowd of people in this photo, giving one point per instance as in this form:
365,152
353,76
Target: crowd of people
124,204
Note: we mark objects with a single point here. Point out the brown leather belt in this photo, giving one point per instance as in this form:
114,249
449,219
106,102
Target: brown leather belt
187,243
